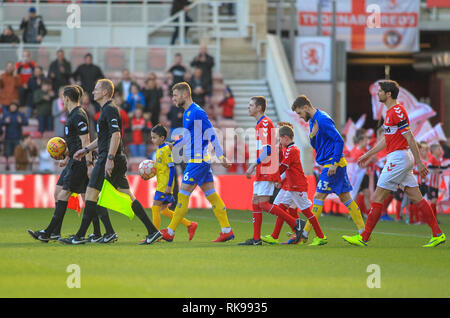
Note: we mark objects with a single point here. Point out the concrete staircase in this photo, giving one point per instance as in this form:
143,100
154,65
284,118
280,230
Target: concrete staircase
243,90
239,59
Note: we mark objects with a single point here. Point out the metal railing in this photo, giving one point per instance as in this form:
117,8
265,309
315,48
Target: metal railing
211,21
149,14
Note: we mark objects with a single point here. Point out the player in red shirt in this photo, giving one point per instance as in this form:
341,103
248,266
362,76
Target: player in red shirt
138,147
435,167
267,173
415,217
295,186
361,141
402,151
292,208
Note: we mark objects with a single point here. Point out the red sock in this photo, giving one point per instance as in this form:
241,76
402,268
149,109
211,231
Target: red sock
372,220
420,216
292,212
275,210
313,220
362,205
429,217
257,221
278,223
433,207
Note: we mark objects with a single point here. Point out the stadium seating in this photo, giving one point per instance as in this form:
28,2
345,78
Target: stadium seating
115,58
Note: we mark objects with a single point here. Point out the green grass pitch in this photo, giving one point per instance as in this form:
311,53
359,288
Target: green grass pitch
199,268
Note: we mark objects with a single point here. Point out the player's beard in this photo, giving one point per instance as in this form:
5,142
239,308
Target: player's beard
307,117
181,103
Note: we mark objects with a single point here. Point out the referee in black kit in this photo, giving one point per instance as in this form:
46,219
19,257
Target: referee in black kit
112,164
74,177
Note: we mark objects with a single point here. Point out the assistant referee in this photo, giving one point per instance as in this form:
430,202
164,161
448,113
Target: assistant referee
112,164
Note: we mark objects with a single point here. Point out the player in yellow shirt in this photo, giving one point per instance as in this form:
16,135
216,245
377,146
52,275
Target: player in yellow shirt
165,175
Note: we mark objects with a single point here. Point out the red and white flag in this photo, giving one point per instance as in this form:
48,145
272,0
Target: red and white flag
360,122
433,135
365,25
349,132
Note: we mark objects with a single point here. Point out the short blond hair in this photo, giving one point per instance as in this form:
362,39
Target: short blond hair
182,86
108,85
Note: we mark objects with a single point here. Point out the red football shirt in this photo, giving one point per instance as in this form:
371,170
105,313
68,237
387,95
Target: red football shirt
137,124
435,174
266,170
281,152
395,125
356,153
25,71
295,177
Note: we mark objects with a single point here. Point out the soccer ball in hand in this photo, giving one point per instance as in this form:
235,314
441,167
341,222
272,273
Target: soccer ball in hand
56,147
147,169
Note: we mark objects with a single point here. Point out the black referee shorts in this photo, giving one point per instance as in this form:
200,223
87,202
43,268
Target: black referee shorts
74,176
398,195
433,193
365,182
423,188
117,178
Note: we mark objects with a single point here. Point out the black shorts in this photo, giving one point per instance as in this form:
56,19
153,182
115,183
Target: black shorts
74,176
433,193
365,182
118,176
398,195
423,188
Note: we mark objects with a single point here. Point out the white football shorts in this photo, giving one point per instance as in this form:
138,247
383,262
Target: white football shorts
398,171
291,198
265,188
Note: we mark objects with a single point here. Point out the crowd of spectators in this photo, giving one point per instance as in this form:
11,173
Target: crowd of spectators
30,94
27,91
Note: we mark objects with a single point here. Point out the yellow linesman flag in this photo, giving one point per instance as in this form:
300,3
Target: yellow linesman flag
115,200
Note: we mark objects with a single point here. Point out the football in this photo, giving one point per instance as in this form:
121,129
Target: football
56,147
147,169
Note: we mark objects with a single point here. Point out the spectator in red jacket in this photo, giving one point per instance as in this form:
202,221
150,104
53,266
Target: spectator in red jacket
137,146
227,104
25,69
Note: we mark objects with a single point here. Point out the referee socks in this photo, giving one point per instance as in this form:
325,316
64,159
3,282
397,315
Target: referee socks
57,219
137,208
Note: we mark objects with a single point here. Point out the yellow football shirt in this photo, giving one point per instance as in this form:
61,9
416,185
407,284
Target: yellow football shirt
163,162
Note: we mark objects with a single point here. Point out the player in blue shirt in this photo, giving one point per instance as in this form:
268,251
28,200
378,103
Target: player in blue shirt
329,146
198,132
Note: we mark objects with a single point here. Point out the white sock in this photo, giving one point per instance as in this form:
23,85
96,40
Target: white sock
305,234
226,230
171,232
